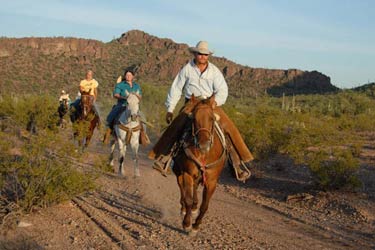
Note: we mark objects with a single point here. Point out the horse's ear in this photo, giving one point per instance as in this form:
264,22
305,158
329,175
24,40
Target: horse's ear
137,92
126,93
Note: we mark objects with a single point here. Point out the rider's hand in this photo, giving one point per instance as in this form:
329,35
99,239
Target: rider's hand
169,117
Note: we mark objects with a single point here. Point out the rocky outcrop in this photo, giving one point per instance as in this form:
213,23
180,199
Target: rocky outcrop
54,46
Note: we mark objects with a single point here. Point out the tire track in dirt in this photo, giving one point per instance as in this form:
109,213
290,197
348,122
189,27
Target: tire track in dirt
109,227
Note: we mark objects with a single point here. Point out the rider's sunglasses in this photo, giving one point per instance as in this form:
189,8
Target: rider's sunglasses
201,54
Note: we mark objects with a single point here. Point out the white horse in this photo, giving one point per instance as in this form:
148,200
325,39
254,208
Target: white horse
127,131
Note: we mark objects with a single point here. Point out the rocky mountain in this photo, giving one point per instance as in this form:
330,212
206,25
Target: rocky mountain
50,64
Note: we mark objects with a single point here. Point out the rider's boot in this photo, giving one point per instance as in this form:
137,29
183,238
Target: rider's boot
241,171
143,138
162,164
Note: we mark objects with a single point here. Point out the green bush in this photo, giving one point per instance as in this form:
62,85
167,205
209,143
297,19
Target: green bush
36,169
42,174
335,170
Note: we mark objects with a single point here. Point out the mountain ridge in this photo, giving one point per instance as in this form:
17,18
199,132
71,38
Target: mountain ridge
156,60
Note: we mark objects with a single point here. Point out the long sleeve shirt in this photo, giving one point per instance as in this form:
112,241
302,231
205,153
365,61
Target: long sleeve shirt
191,81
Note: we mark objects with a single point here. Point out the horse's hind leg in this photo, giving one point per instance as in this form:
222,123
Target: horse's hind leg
188,195
208,191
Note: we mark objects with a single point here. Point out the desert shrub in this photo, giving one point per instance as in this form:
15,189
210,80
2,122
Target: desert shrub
36,169
41,175
153,105
335,170
30,110
303,132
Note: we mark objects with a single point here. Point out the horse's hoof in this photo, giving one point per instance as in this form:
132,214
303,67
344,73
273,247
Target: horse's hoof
182,213
193,232
188,229
195,212
137,174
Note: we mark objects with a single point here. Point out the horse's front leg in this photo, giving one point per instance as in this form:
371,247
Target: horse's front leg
122,149
180,182
89,135
111,155
208,191
134,142
194,209
188,184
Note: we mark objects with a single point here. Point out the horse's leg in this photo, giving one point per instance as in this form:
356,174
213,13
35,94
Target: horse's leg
194,209
208,191
180,182
188,195
134,142
111,158
122,149
90,133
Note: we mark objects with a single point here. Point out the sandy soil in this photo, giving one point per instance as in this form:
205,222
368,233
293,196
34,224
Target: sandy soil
277,209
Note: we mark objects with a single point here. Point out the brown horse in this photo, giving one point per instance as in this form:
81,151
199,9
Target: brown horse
199,161
85,121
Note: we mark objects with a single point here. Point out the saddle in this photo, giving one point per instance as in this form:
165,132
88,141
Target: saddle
143,137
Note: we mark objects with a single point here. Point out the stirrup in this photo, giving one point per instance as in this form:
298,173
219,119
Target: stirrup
245,173
158,166
162,167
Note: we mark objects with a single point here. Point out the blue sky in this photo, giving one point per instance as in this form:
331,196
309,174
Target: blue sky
335,37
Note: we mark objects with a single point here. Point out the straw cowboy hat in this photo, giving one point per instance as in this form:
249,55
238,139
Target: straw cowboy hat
201,47
62,91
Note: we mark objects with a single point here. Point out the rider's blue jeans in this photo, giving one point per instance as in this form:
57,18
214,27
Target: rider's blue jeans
113,114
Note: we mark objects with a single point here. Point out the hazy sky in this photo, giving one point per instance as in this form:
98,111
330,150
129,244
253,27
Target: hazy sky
335,37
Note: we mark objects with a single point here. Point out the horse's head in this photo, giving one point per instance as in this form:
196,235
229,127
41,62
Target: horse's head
64,104
203,123
87,101
133,105
63,107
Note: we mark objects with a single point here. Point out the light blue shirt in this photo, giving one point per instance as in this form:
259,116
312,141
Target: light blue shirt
191,81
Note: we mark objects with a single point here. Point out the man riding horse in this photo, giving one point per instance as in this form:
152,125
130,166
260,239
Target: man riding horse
200,78
124,86
87,86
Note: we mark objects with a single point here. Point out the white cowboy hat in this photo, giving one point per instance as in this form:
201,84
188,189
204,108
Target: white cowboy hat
201,47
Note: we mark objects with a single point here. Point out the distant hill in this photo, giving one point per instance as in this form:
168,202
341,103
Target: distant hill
33,65
368,88
365,87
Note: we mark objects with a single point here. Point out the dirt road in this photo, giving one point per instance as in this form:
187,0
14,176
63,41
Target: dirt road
143,213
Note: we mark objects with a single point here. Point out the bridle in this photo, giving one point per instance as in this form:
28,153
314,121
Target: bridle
86,104
195,132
